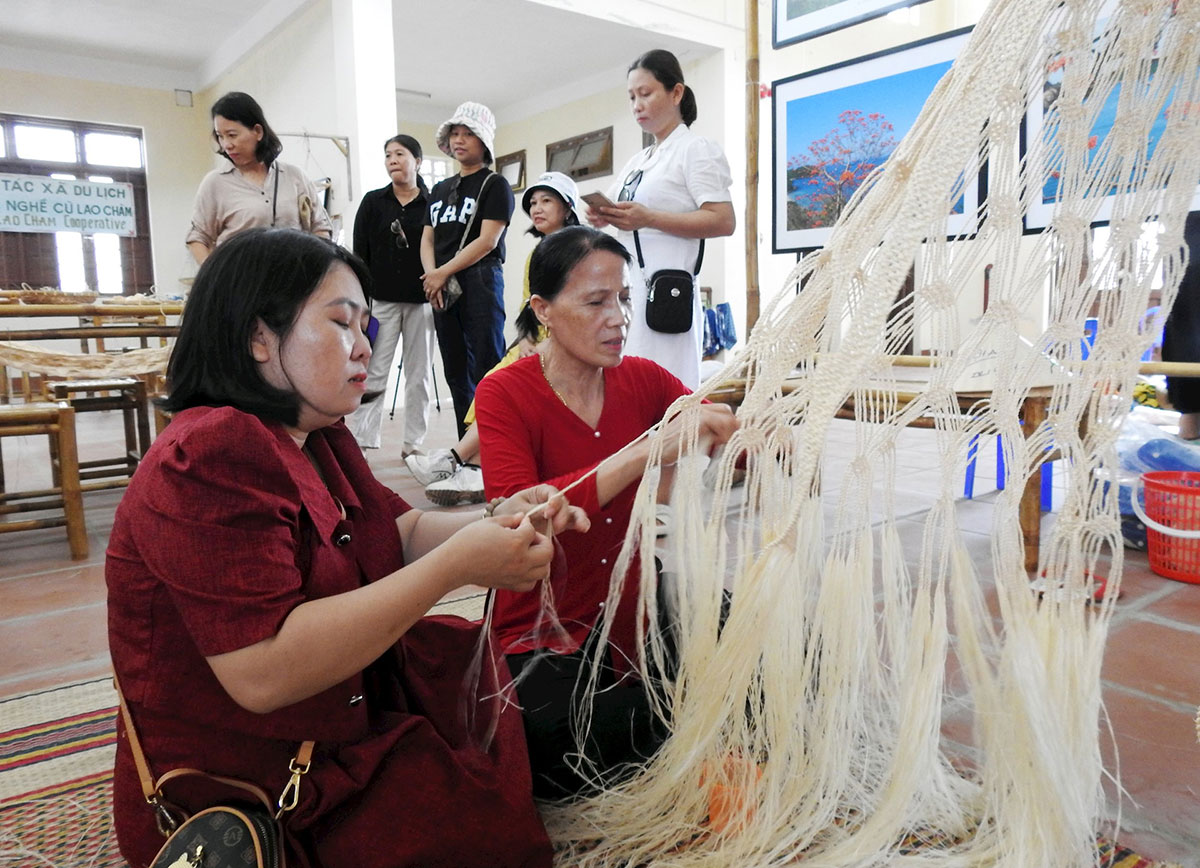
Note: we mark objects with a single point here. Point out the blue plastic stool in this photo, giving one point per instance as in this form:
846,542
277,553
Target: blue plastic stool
1047,482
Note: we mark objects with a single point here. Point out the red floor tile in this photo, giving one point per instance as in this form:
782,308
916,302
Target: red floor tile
52,630
52,640
1159,763
1161,661
67,588
1181,604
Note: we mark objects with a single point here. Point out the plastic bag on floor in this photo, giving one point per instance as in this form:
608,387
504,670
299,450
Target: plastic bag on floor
1144,446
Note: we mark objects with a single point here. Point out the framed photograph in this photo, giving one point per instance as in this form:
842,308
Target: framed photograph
1041,209
797,20
512,168
833,126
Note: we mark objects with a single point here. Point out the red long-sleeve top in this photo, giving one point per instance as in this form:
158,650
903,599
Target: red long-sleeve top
528,436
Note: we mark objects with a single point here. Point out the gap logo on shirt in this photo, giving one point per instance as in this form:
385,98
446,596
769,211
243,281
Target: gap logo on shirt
439,212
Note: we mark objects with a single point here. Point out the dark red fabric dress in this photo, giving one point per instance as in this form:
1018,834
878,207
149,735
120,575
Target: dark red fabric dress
226,528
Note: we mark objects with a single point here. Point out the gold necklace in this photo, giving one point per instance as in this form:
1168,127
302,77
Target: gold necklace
546,376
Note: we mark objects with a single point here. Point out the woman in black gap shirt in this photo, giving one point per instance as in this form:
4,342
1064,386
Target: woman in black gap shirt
471,331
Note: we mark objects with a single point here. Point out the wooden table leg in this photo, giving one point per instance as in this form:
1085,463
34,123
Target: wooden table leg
1033,414
72,496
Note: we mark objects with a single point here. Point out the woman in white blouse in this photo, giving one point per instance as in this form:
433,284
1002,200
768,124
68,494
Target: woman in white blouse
256,189
673,194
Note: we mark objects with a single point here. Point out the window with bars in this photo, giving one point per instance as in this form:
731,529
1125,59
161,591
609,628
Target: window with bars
74,261
586,156
434,170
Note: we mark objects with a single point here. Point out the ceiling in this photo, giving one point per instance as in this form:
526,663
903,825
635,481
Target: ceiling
539,55
520,57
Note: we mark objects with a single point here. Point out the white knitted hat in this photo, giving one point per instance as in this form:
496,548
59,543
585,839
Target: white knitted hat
476,117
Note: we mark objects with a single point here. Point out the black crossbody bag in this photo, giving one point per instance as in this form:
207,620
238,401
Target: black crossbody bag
670,294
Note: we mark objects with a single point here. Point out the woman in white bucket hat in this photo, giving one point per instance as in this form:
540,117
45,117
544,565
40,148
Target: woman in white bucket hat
453,476
464,238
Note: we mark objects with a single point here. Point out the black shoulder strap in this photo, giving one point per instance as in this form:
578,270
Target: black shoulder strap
478,204
275,195
637,244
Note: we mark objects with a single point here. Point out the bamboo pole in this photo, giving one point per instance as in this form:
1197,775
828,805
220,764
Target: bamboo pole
752,103
1171,369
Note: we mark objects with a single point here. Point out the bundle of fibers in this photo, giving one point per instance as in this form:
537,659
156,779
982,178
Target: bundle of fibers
817,657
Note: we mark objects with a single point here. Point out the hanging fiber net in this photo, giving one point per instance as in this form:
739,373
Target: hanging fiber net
821,639
35,360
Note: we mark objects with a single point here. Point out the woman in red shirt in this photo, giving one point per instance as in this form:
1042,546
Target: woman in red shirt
556,417
265,589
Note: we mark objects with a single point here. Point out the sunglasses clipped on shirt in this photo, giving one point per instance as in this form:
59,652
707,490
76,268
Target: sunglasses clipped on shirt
452,194
398,230
629,188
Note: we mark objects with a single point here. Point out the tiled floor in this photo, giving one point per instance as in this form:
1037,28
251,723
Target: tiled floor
52,628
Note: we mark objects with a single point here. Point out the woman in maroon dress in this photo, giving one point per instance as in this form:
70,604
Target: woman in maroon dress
265,589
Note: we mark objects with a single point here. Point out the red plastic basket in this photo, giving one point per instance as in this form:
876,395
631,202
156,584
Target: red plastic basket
1172,519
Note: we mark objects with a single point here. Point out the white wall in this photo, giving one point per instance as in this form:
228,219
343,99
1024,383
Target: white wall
177,150
291,75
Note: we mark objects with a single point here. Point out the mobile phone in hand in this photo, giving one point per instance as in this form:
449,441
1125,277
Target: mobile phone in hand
598,200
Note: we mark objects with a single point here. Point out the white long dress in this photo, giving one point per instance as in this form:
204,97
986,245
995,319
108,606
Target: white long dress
684,172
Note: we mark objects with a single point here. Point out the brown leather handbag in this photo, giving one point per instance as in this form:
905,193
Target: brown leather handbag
241,835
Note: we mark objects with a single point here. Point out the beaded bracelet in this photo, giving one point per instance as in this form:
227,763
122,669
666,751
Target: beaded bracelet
490,508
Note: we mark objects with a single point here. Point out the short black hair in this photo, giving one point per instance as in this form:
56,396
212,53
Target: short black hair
555,258
263,274
241,107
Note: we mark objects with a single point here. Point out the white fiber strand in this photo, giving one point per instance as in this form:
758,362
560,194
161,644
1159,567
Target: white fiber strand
856,684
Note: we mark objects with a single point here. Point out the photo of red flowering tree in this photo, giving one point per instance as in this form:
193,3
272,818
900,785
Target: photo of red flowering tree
835,166
834,127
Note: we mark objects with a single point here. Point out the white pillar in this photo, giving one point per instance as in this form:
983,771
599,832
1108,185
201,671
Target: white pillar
364,68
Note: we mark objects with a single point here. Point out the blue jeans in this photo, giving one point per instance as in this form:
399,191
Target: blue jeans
471,334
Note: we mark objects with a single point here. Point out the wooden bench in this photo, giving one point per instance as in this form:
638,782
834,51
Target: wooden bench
127,394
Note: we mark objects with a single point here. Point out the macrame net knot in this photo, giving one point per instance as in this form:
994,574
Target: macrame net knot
1063,334
1004,210
939,295
1004,314
1074,121
1010,100
1071,226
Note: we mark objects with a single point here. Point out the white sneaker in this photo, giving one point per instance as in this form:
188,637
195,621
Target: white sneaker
464,486
434,467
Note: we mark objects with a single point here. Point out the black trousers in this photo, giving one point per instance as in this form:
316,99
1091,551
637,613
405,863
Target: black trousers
1181,336
624,731
471,334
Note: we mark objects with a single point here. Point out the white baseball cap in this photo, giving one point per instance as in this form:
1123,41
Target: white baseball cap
563,185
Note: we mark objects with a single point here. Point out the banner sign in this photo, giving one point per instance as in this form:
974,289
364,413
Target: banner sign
37,203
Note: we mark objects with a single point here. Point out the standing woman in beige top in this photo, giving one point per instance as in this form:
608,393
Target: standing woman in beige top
256,189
